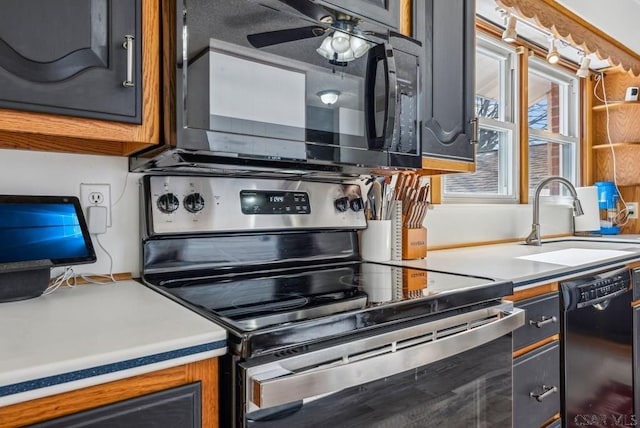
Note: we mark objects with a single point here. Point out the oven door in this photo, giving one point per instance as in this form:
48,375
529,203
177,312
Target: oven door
456,371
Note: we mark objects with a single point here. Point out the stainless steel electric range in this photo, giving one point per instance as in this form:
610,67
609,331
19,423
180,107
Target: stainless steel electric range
317,336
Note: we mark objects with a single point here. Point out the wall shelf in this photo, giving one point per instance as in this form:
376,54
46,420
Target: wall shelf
634,144
615,105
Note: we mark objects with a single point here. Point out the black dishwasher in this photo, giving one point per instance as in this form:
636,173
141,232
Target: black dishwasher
597,350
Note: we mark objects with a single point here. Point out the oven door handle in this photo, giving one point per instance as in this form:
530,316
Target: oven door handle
297,386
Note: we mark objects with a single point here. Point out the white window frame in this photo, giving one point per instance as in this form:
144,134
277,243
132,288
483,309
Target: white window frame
508,122
569,126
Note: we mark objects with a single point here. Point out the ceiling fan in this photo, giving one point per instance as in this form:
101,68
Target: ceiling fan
339,47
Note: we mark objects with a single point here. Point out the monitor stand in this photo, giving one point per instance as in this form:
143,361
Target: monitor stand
24,280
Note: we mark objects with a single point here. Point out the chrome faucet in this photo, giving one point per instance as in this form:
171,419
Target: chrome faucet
534,236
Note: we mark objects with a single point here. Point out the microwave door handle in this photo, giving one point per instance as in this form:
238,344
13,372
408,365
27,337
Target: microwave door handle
294,387
376,55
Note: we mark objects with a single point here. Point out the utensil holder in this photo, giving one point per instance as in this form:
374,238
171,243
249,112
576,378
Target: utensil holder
375,241
414,243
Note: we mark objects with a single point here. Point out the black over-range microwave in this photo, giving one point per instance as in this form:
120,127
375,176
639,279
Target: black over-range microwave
285,85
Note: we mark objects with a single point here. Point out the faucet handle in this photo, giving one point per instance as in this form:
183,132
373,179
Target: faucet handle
577,208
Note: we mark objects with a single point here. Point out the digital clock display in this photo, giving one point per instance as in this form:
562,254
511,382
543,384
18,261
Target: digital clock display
274,202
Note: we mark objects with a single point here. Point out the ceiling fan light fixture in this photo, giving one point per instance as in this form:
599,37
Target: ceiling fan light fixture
359,46
325,48
340,42
553,56
328,97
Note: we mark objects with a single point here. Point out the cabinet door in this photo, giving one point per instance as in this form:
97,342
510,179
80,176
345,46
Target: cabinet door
447,30
67,57
386,12
173,408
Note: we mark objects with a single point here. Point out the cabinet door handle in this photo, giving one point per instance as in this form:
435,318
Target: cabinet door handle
543,321
474,123
128,45
547,391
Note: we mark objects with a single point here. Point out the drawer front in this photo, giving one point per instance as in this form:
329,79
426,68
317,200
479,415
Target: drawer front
536,386
542,319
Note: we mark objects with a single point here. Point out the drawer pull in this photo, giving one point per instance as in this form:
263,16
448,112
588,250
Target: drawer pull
543,321
547,390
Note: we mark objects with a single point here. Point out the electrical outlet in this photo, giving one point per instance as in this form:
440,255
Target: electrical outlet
96,195
632,209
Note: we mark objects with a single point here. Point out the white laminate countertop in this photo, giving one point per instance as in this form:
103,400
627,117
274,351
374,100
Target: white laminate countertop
91,334
506,262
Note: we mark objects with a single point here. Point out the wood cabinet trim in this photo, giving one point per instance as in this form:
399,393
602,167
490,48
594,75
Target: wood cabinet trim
520,352
539,290
45,408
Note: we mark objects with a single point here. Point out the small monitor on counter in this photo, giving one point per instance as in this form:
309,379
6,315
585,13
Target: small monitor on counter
37,233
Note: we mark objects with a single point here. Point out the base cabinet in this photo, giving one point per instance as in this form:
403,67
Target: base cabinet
536,364
184,396
536,386
173,408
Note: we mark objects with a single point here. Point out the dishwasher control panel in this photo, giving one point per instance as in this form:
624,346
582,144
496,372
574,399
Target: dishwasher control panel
590,290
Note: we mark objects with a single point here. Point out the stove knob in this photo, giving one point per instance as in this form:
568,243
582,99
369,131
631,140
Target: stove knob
168,203
356,204
342,204
194,202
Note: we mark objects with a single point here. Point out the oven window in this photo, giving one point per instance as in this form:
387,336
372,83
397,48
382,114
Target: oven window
470,389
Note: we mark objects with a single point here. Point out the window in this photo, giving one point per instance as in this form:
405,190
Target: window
552,112
496,150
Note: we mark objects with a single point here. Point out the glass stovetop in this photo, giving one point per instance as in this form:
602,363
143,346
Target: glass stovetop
276,298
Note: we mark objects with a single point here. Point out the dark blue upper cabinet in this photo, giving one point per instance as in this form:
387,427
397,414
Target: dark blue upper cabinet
386,12
72,57
446,29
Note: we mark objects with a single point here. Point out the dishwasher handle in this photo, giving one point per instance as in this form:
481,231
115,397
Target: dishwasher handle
297,386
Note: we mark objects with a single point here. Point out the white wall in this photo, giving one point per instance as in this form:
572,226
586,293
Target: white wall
462,223
41,173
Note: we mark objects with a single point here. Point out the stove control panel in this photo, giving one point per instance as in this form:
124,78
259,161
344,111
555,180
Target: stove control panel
204,204
274,202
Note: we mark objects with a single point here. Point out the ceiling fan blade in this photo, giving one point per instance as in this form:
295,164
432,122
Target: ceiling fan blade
310,9
269,38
